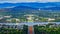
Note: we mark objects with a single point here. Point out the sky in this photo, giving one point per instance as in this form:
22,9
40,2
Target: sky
17,1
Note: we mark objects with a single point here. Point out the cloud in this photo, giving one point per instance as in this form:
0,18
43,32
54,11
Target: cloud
17,1
14,1
48,1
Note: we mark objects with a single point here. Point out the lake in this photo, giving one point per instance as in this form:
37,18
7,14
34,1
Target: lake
30,23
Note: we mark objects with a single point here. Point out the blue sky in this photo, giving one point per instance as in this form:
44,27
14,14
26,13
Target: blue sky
17,1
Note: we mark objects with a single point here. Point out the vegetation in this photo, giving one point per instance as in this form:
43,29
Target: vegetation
10,31
25,29
45,14
14,31
46,30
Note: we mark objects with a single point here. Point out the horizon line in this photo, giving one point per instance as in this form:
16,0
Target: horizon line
29,2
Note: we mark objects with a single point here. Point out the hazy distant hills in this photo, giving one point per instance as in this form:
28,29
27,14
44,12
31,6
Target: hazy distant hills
51,8
45,6
19,9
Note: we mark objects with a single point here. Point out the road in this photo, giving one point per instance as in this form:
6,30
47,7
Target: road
30,30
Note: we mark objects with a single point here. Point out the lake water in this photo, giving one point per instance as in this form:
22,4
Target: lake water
30,23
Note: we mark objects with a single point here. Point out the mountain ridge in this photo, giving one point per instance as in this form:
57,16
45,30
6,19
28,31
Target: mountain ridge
38,5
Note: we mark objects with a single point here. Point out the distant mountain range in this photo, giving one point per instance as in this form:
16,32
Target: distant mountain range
20,9
45,6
